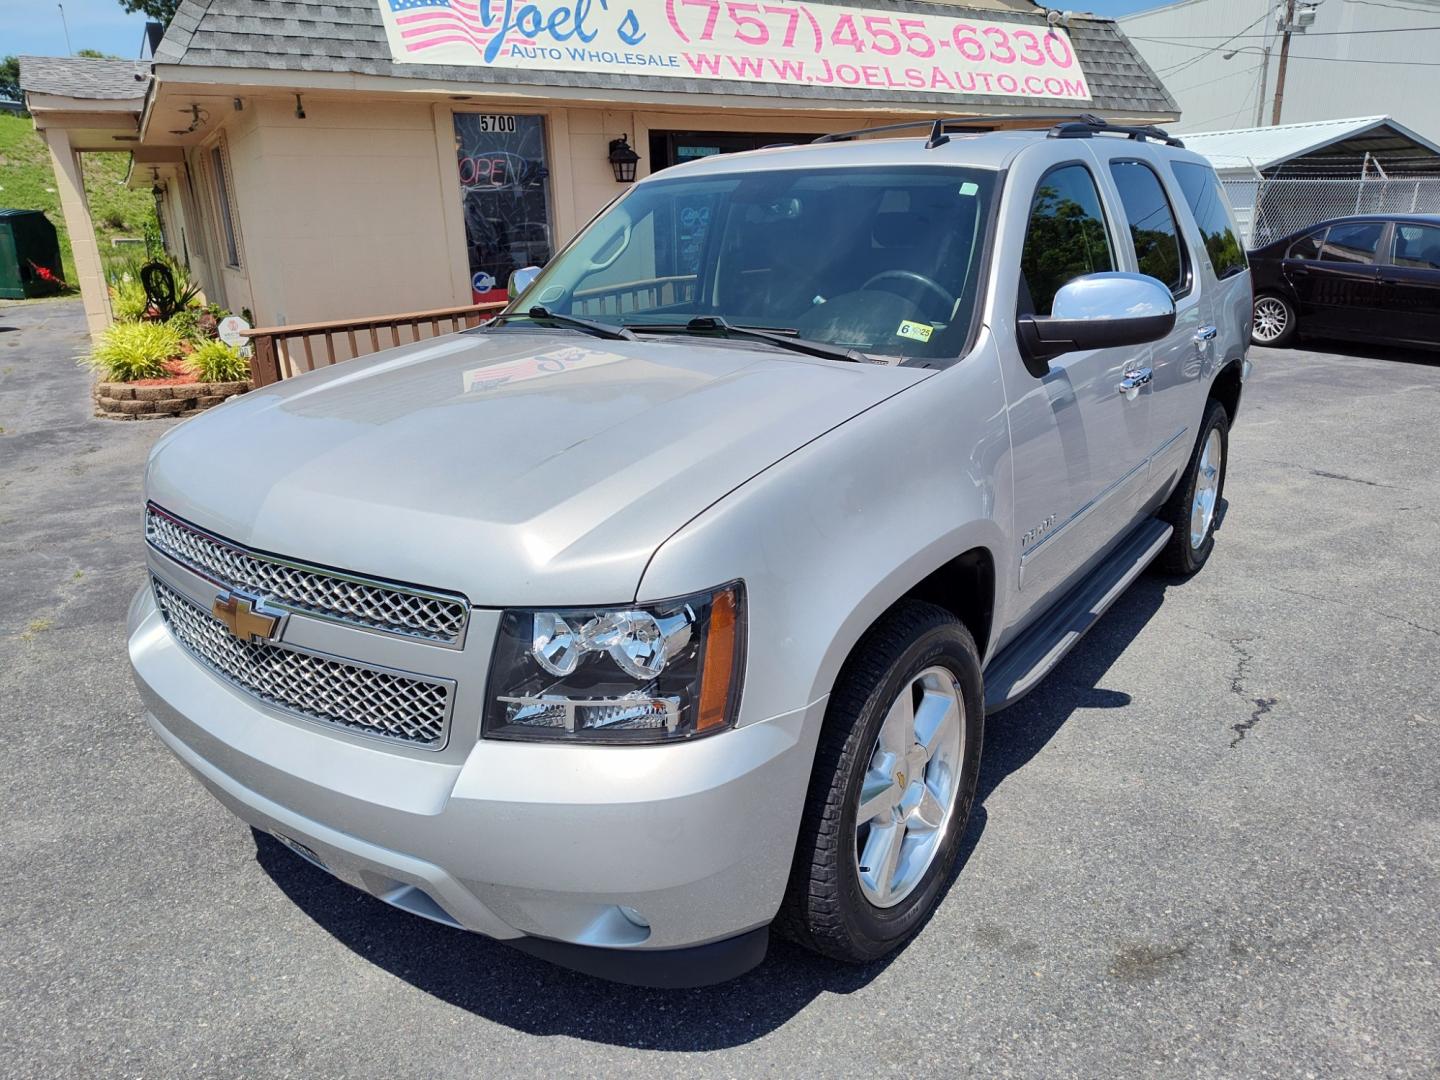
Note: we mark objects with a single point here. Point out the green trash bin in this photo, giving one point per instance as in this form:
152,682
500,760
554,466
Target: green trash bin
27,241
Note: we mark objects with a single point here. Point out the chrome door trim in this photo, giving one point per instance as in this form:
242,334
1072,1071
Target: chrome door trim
1046,541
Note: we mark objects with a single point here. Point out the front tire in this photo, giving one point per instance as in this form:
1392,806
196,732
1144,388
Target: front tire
1193,509
1273,321
890,794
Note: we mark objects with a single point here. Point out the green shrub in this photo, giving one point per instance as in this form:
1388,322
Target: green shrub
135,350
214,361
187,324
127,299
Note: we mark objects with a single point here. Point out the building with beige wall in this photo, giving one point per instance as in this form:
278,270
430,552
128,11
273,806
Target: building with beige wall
328,161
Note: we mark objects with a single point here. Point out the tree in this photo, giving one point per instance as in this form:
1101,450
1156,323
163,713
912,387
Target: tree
162,11
10,78
95,54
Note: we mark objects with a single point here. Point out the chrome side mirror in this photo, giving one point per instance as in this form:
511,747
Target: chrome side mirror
520,280
1097,311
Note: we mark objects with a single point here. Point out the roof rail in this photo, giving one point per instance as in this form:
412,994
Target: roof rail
1062,126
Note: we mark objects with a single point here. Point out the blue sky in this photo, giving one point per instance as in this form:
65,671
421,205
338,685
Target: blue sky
33,27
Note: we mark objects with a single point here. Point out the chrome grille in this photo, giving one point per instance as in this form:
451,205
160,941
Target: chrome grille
387,703
377,605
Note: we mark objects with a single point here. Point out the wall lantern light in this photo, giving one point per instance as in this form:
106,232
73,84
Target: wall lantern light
623,159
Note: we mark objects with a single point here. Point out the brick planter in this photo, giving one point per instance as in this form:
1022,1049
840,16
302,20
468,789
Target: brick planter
123,401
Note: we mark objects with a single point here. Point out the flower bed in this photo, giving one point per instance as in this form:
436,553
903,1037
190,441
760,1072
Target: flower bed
151,366
139,401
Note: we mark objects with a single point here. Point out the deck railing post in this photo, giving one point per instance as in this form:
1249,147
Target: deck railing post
264,367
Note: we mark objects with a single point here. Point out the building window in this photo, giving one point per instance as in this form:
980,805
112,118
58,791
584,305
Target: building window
505,197
1153,232
226,213
1065,239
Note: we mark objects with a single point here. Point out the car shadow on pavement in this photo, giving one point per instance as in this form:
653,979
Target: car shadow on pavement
1346,350
507,987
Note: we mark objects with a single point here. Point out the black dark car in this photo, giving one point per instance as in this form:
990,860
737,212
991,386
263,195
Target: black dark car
1369,278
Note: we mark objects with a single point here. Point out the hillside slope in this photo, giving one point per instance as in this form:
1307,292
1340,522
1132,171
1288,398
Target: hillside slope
28,183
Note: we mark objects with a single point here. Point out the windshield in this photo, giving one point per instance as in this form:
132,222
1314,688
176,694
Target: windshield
884,260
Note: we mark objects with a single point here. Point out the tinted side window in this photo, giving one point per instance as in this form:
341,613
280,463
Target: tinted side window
1212,213
1354,243
1152,224
1416,246
1065,238
1307,247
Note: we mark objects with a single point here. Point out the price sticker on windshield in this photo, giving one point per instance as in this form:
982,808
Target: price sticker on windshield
915,331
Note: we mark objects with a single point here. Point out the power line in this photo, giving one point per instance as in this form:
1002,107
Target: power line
1222,78
1398,7
1325,59
1308,34
1196,59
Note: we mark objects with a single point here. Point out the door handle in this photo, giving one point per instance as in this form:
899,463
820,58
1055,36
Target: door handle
1133,380
1206,333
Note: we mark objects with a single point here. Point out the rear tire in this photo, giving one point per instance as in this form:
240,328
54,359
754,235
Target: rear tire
890,794
1273,321
1194,508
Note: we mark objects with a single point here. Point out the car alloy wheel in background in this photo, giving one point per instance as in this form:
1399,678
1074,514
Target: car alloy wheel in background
1273,322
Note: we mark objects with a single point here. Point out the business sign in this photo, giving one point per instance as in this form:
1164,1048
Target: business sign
792,44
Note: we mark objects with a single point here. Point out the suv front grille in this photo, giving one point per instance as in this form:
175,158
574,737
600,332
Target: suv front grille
313,590
404,707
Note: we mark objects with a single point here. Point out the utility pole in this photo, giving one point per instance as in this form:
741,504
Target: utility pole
1284,61
1260,94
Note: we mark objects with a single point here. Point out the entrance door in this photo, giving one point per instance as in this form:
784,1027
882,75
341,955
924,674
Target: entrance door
677,147
503,185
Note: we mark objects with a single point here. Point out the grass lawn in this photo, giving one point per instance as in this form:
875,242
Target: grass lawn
28,183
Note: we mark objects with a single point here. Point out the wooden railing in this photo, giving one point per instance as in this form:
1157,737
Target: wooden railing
283,351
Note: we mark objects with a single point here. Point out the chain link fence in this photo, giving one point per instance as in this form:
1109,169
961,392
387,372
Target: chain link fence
1270,209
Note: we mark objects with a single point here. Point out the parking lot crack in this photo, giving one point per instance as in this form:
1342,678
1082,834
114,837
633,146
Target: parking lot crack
1372,610
1325,474
1260,706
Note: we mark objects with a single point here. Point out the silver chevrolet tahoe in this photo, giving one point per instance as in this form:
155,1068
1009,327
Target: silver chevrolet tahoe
667,609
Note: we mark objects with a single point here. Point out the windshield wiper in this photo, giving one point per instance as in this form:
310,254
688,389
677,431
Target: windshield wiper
599,329
718,327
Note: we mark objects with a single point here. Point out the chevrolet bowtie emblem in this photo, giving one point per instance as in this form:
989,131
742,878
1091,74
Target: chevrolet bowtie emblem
245,616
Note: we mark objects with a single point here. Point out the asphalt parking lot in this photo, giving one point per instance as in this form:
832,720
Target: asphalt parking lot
1208,845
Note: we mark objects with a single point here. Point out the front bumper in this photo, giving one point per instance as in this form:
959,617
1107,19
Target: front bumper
620,859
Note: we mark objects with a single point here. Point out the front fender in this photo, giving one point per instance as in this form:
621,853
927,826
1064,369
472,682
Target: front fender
831,536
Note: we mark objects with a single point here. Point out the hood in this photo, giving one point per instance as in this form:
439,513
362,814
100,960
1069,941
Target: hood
516,467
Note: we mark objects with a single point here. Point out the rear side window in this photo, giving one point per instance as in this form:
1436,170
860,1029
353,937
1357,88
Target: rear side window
1153,231
1066,237
1212,213
1353,243
1307,247
1416,246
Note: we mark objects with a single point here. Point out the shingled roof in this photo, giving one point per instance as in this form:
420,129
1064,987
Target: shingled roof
81,77
347,36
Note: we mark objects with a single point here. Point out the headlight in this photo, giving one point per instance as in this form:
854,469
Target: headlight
648,673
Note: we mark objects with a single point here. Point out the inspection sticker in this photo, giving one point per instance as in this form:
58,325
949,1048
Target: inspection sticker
917,331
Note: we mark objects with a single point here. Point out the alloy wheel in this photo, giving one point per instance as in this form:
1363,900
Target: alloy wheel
907,797
1207,489
1271,319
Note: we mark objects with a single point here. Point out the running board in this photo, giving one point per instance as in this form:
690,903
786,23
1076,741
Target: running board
1025,661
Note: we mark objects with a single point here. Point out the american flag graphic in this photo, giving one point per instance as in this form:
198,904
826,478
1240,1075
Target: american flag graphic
425,24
